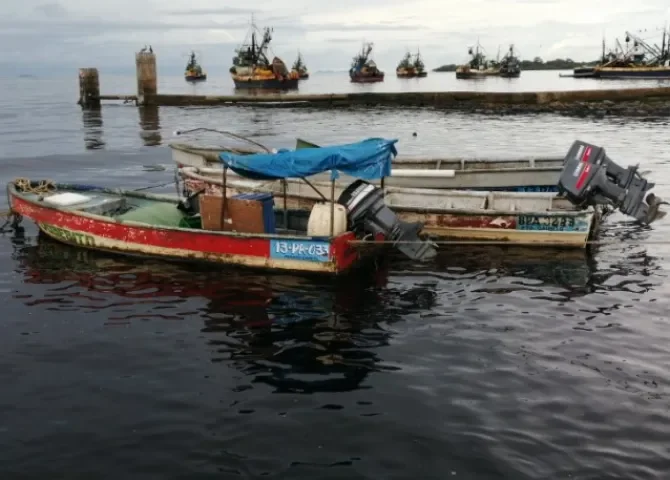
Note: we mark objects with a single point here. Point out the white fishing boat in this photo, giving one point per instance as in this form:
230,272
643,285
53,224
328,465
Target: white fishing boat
522,174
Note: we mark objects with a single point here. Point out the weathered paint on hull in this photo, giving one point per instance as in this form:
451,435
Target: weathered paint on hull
528,228
268,84
256,251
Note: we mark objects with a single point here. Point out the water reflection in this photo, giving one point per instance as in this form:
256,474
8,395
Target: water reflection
253,92
569,268
150,126
92,122
299,334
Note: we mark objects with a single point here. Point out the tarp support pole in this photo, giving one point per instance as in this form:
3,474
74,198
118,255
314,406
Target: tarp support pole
332,208
285,186
224,203
315,189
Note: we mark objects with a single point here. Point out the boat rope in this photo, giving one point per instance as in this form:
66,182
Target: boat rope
25,185
13,219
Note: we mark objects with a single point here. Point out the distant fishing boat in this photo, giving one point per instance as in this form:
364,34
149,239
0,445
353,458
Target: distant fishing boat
194,71
252,69
642,60
510,66
477,67
411,66
363,68
300,67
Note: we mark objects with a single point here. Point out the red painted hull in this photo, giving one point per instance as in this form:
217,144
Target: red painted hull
275,252
51,262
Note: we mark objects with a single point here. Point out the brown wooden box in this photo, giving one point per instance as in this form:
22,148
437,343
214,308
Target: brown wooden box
241,215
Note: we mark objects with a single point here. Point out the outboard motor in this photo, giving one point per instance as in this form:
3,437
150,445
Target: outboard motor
590,177
367,211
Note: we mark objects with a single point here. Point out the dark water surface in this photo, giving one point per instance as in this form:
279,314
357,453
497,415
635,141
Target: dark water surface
489,363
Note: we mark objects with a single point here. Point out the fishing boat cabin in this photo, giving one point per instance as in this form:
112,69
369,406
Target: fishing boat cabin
194,71
300,67
363,68
510,66
478,66
251,68
411,66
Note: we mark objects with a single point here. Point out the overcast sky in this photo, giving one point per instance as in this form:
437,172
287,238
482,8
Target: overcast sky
66,34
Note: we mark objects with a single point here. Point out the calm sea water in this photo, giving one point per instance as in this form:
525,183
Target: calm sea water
489,363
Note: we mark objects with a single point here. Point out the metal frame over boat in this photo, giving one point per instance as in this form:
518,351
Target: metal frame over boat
130,222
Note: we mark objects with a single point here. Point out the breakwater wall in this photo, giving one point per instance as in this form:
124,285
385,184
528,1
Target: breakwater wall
624,101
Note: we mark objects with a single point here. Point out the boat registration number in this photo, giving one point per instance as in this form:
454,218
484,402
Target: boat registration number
548,223
300,250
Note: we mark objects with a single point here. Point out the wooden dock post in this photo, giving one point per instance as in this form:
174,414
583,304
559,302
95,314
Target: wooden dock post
147,79
89,88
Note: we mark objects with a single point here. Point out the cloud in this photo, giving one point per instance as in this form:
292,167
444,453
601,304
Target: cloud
52,10
67,34
213,11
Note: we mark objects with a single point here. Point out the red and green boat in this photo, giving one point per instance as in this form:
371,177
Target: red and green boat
243,229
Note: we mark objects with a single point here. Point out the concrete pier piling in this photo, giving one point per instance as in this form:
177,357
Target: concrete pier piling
89,88
147,78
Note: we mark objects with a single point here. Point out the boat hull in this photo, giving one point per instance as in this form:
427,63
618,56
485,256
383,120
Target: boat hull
528,219
649,72
195,78
271,252
510,74
267,83
470,74
584,72
528,175
367,79
412,75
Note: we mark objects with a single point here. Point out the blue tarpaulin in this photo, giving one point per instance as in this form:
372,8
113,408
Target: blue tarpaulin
370,160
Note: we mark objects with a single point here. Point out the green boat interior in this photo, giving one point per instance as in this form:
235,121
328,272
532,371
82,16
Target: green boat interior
168,213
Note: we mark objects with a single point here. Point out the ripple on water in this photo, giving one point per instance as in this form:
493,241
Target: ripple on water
486,363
